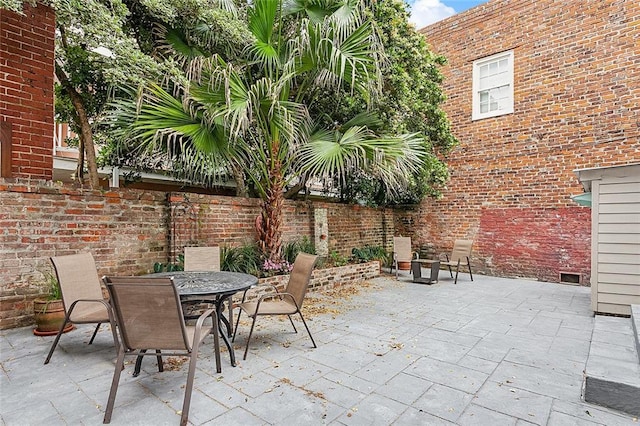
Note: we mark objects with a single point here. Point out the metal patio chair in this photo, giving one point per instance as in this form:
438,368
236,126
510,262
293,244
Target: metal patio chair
82,295
205,259
287,303
401,253
460,256
149,316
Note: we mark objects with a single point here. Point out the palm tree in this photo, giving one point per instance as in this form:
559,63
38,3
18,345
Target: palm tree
252,115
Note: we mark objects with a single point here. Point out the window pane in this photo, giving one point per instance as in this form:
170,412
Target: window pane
492,83
484,71
484,102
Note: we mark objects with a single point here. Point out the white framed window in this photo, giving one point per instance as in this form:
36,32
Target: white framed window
493,86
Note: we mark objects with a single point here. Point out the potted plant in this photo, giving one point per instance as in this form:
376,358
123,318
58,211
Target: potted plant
49,310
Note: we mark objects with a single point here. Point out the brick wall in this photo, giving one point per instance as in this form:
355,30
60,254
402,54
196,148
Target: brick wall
26,89
576,88
125,230
128,230
325,278
229,221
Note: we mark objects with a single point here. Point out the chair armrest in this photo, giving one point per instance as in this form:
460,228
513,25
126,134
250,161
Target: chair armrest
204,315
112,318
244,293
103,301
282,296
200,322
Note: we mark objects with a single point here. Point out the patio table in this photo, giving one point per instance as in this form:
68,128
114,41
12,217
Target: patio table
209,287
416,269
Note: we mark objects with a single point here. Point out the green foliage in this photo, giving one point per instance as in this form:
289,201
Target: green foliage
337,259
410,101
51,286
169,266
14,5
291,249
369,253
255,114
245,258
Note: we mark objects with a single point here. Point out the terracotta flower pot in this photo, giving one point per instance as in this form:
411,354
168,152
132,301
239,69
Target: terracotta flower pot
49,315
404,266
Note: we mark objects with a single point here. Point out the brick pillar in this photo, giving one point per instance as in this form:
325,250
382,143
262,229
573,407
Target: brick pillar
26,90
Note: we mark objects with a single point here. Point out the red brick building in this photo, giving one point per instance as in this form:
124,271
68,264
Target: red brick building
536,89
26,92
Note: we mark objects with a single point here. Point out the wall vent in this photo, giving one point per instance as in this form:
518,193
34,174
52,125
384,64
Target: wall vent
570,278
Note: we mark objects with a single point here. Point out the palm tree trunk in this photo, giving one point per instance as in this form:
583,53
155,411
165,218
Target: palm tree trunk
269,225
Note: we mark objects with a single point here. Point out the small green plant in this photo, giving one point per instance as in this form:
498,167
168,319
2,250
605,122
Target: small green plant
245,258
52,293
338,259
291,249
52,287
169,266
369,253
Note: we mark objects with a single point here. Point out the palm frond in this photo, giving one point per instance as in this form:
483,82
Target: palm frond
228,6
262,21
329,154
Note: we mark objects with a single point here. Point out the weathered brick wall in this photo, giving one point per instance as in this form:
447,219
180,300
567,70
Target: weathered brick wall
129,230
26,88
125,230
326,278
230,221
356,226
576,88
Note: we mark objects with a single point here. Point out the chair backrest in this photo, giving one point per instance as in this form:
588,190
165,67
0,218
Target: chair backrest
78,279
300,276
461,250
148,313
402,249
205,259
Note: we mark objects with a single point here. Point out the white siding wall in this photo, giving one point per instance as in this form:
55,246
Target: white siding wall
616,244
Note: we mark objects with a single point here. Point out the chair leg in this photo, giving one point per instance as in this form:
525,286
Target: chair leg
309,332
216,344
469,265
230,315
159,358
189,387
138,366
95,332
57,339
114,387
292,324
246,349
233,339
457,270
450,272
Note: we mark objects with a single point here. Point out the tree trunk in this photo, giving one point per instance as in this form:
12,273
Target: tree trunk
86,135
270,220
80,165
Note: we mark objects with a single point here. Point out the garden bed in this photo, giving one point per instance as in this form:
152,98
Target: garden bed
327,278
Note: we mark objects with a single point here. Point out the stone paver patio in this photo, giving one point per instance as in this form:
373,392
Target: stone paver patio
490,352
